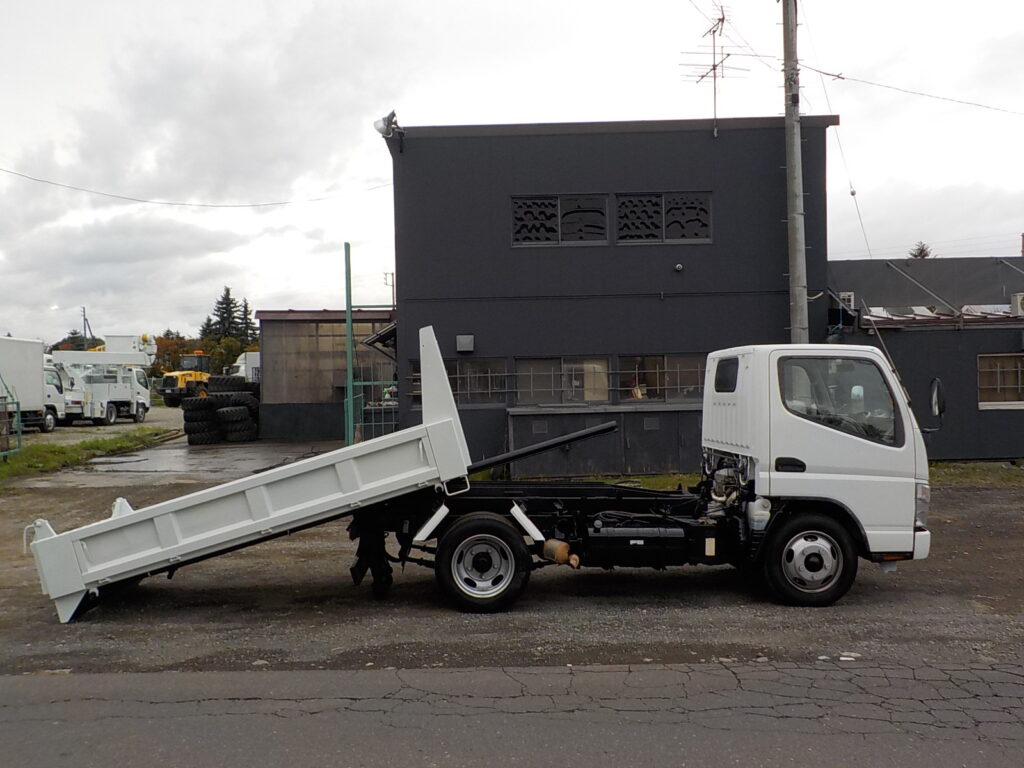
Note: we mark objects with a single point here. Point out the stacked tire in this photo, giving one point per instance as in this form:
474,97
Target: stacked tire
231,416
201,424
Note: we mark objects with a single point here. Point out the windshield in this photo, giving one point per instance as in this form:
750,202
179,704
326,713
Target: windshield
195,363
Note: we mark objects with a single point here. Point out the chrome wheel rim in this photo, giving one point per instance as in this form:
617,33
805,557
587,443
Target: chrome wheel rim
812,561
483,565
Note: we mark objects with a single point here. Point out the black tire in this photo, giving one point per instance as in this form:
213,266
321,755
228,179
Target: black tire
242,435
140,413
172,401
253,387
198,404
204,438
809,560
201,427
239,426
189,416
221,400
49,422
225,383
233,413
246,399
110,415
482,563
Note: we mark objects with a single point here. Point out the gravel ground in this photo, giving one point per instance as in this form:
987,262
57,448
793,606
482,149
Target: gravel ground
167,418
289,603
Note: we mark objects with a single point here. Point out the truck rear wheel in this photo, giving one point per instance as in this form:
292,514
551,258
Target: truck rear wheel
810,560
482,564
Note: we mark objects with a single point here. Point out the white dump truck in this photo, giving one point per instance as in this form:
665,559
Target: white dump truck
37,383
812,461
109,386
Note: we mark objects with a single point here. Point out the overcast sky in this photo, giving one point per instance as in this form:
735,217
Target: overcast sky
242,101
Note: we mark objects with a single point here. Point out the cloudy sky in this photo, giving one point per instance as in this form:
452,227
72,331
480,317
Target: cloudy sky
241,102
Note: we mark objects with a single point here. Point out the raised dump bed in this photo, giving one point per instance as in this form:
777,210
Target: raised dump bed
134,543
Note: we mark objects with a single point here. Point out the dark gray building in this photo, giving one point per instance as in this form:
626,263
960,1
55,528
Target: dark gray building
579,273
959,319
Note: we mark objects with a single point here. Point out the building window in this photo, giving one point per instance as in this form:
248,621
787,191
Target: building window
668,217
478,381
559,220
550,381
673,378
473,382
534,220
1001,381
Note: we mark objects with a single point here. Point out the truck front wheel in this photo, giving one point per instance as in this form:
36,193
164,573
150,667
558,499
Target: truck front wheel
482,563
810,560
49,422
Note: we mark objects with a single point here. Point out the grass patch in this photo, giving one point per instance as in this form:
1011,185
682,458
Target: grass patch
977,474
43,457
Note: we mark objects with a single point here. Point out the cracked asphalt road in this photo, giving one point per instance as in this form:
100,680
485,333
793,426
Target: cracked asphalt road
828,713
271,654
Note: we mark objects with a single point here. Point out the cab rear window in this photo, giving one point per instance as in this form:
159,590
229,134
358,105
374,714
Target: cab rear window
726,374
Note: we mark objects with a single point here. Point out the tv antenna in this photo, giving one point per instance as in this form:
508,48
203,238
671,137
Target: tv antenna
718,67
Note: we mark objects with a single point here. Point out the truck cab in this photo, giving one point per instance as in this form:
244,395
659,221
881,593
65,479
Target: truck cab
823,435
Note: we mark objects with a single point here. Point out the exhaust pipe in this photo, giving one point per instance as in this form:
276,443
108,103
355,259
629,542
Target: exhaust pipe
558,552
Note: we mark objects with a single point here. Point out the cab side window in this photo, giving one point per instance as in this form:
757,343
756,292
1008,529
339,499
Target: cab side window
53,380
842,393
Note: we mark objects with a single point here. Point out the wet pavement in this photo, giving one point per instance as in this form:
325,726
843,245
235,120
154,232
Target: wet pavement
176,461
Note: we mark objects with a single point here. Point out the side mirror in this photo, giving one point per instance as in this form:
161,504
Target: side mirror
937,404
937,398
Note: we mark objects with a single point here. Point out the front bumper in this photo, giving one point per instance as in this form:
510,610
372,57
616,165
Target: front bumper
922,543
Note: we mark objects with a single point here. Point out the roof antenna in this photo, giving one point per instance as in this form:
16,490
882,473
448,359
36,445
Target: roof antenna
718,61
716,31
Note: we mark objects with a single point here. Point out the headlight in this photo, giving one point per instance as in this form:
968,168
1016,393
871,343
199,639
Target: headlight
922,500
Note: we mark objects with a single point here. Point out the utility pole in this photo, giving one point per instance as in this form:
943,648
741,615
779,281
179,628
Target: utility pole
350,354
798,333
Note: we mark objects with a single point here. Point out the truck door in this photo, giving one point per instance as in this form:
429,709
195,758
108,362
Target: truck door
838,431
54,391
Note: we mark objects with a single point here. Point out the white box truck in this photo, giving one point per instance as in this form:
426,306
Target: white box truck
247,366
39,385
812,461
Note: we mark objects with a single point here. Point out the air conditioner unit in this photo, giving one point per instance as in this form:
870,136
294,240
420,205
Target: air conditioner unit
1017,304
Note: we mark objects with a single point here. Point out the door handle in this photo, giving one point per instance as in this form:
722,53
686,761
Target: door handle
789,464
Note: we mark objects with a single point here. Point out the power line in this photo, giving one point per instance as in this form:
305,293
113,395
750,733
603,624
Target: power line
174,203
841,76
839,141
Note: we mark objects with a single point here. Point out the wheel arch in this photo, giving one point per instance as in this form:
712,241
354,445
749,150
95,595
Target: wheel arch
831,508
